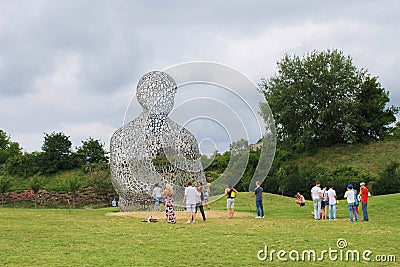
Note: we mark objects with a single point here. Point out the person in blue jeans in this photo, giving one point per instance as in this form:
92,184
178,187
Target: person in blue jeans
332,202
258,191
364,193
316,195
351,201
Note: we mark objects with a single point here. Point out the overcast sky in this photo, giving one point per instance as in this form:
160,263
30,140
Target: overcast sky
73,66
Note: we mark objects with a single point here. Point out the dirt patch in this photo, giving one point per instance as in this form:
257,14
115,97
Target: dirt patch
210,214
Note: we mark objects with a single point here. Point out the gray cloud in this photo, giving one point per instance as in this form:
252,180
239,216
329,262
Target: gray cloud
73,65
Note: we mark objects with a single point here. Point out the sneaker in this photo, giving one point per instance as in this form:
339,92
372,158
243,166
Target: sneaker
258,217
262,216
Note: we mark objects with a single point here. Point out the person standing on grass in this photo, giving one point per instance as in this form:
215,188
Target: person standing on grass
157,196
114,202
323,203
169,195
201,199
350,195
364,193
230,194
332,202
258,191
317,199
190,199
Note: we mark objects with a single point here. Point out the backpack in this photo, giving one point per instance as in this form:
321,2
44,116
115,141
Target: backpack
355,198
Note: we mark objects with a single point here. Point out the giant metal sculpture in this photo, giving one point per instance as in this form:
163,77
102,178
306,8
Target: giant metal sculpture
152,148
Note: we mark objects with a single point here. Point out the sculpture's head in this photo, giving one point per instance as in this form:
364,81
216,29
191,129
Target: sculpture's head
156,91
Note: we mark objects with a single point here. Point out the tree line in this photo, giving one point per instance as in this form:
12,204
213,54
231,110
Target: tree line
56,155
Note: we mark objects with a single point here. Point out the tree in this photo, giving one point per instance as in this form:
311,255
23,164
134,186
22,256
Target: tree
73,184
389,181
92,151
372,119
102,184
57,153
36,183
323,99
5,185
25,165
8,149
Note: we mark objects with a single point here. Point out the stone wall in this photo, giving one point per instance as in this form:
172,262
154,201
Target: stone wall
58,199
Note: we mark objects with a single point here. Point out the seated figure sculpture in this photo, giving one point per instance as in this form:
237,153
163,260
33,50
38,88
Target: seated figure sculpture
152,148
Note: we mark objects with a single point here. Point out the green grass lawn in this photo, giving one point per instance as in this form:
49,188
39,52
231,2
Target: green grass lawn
372,158
59,237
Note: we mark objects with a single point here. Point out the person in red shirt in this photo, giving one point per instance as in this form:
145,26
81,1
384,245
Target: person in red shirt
364,193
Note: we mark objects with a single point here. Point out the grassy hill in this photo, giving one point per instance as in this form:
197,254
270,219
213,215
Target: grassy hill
104,237
373,158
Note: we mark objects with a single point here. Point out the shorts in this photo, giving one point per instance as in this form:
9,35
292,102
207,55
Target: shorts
191,207
230,203
323,204
206,197
158,201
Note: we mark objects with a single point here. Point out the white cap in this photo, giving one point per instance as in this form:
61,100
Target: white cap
361,184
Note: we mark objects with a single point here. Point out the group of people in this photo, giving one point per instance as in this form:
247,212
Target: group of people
323,198
194,199
324,201
231,193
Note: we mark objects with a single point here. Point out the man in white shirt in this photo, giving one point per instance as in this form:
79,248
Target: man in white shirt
350,195
190,199
157,196
332,202
316,196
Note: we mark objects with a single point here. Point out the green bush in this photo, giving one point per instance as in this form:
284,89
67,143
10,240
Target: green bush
389,181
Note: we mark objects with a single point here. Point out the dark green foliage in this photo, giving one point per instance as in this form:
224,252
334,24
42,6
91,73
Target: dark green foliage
101,183
8,149
389,181
291,179
25,165
57,153
219,163
247,176
342,177
372,119
5,185
73,185
36,183
91,151
322,100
